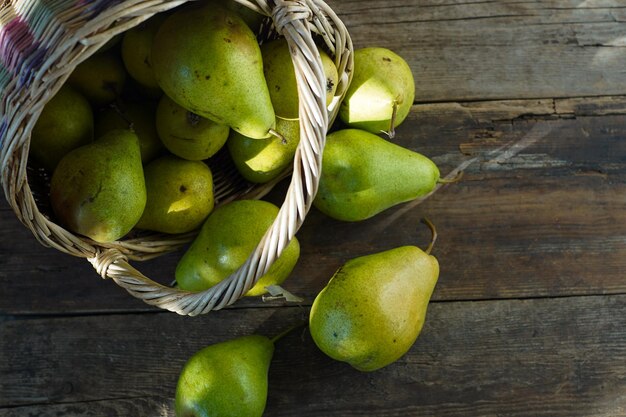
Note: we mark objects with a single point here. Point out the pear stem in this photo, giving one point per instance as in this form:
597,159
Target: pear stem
278,135
289,330
433,232
392,130
117,108
454,179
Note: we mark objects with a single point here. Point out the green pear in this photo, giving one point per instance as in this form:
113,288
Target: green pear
136,116
281,78
226,379
363,174
381,93
179,195
100,78
262,160
186,134
227,238
208,61
373,308
136,51
252,18
98,190
65,123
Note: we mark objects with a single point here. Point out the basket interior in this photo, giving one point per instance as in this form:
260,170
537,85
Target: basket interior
141,245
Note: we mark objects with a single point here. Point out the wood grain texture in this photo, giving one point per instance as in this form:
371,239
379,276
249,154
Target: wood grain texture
476,50
543,217
540,357
142,406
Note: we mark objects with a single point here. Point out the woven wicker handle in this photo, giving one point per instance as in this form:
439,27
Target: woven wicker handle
296,21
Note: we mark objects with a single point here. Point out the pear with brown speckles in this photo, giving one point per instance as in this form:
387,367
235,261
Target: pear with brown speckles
187,135
98,190
180,195
374,307
208,61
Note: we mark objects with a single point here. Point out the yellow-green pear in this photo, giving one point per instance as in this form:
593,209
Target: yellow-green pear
98,190
179,195
226,379
364,174
136,116
281,78
373,308
208,60
186,134
136,51
262,160
381,93
65,123
100,78
227,238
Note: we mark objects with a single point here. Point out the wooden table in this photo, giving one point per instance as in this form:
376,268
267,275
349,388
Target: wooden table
529,315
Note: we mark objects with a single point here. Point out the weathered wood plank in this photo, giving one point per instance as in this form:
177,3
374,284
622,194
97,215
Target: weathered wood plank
40,279
461,50
599,106
544,220
143,406
541,357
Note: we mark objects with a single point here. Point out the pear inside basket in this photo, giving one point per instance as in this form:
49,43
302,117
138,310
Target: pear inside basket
154,116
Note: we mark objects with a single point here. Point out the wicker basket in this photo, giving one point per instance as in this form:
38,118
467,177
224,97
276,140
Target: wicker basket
41,42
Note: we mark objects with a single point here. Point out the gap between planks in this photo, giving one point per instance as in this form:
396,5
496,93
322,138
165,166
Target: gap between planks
536,108
305,306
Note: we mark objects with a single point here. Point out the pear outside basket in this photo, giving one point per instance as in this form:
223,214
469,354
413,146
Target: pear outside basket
42,41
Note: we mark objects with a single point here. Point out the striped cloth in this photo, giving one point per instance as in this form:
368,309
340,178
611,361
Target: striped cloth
29,28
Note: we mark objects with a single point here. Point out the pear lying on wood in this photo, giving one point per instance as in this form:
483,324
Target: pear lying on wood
373,308
226,379
363,174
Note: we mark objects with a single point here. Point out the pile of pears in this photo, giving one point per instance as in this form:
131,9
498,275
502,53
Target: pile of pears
128,140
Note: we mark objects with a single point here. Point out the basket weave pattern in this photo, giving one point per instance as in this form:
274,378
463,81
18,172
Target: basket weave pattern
41,44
